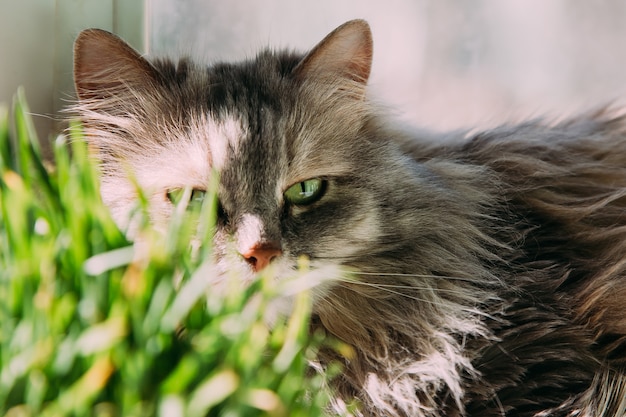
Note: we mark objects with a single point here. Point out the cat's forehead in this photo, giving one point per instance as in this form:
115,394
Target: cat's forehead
249,86
224,136
274,147
261,126
247,153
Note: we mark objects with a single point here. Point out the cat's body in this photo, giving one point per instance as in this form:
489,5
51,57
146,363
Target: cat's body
488,271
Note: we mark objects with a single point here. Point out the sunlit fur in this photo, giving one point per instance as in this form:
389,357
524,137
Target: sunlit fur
476,274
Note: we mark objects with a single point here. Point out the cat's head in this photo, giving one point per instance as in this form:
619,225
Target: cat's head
303,169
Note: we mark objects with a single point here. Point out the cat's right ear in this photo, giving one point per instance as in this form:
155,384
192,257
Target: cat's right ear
346,53
105,66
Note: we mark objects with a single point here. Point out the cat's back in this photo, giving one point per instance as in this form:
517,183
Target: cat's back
559,193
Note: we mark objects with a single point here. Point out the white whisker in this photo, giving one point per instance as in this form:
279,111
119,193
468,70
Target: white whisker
398,274
411,297
404,287
392,289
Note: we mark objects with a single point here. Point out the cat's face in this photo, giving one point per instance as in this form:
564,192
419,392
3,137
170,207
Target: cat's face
300,171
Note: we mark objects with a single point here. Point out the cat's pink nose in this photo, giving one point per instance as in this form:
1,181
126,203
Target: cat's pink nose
260,255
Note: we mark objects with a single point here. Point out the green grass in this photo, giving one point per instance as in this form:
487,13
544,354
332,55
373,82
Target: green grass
88,329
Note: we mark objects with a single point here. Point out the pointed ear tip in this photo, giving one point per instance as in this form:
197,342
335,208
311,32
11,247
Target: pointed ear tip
88,33
358,24
81,44
97,44
359,29
92,35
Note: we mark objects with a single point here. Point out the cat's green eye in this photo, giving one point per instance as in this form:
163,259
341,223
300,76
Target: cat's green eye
196,197
305,192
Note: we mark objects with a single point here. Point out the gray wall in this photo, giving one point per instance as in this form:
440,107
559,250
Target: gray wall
441,63
36,39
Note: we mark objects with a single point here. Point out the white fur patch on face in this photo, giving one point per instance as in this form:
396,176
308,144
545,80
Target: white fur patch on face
224,137
179,166
119,195
249,232
187,158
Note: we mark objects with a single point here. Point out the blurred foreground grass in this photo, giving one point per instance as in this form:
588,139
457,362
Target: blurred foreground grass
86,329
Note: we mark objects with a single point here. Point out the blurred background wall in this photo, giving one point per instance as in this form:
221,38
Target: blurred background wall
441,63
36,39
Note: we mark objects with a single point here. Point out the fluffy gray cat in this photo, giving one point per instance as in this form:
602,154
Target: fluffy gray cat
488,269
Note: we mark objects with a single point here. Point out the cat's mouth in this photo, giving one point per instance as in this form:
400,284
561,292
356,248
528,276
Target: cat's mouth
282,281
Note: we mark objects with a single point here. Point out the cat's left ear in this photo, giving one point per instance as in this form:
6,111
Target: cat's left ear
105,66
346,52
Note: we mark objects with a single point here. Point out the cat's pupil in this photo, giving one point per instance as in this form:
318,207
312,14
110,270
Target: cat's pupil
197,196
305,192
